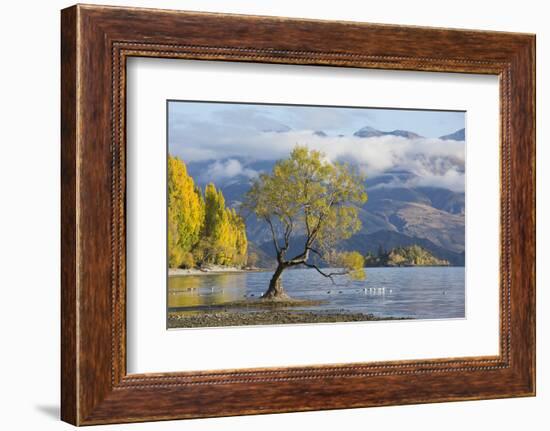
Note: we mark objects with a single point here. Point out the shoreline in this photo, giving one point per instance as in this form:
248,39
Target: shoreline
176,272
413,266
273,317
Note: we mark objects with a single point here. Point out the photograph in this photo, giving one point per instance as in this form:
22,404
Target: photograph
302,214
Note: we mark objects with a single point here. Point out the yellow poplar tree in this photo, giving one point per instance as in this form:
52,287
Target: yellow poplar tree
185,214
201,230
224,234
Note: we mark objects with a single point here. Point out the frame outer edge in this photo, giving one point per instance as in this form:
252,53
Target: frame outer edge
69,213
532,82
533,54
523,217
530,79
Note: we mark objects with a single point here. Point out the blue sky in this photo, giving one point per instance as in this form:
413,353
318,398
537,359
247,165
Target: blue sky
336,120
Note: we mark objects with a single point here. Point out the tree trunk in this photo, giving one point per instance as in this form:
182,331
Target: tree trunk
275,290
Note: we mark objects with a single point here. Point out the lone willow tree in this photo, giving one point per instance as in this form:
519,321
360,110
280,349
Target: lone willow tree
312,203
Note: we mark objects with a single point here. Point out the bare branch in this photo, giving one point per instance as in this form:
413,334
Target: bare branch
306,207
273,234
288,232
315,231
318,253
324,274
300,258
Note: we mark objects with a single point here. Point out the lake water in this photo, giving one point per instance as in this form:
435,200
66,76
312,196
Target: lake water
413,292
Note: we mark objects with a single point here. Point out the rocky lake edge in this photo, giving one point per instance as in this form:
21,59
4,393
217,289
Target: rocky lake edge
264,312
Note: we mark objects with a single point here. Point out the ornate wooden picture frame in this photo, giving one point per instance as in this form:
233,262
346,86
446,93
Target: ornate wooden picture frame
96,41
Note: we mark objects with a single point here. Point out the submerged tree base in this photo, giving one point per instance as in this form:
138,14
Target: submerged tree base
272,295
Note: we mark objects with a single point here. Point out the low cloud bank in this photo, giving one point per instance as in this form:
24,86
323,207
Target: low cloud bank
434,162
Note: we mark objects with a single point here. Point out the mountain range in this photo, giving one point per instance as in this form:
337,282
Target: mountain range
399,212
369,132
459,135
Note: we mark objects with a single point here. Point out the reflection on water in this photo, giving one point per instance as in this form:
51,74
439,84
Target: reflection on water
420,292
204,290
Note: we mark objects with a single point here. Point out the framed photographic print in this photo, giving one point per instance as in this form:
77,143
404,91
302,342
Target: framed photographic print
321,214
267,209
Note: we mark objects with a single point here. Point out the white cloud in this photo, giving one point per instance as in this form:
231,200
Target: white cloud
451,179
432,161
222,170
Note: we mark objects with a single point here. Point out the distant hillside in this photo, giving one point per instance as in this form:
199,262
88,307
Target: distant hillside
259,258
459,135
388,240
413,255
420,220
432,213
370,132
372,244
402,208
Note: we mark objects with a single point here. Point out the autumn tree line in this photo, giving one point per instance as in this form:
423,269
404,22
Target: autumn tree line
201,229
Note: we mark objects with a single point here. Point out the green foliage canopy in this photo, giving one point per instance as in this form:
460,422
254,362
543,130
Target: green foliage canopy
307,195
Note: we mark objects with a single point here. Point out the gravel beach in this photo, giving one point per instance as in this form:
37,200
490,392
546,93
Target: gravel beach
272,317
